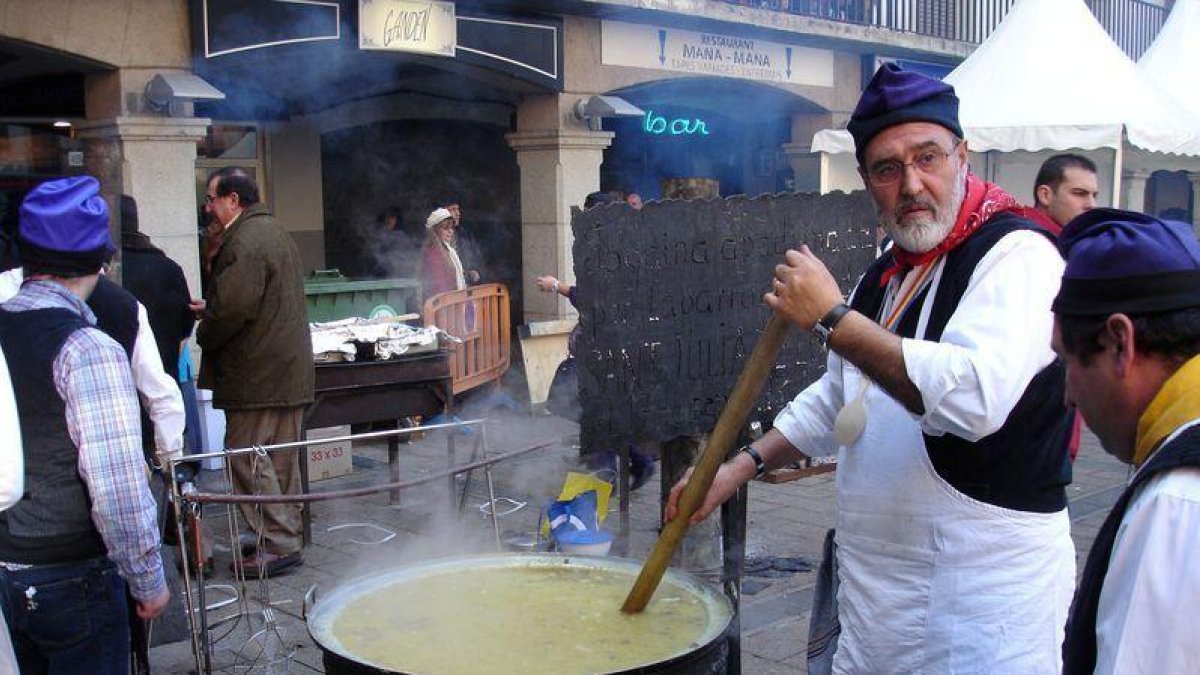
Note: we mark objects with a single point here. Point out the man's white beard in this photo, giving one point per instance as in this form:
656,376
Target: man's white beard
924,235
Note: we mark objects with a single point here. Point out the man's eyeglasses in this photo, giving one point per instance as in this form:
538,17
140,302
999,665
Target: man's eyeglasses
208,199
930,160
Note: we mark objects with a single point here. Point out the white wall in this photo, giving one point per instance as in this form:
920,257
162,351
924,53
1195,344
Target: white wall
294,171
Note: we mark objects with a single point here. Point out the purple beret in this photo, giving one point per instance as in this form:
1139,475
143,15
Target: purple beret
64,227
896,96
1128,262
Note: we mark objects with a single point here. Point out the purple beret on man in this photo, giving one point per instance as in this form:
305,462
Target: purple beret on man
895,96
64,228
1127,262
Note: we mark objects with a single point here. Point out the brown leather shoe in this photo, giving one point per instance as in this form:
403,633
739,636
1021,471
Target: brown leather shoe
264,564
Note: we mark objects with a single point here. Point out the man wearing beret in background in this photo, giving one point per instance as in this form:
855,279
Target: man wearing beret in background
945,406
86,525
1127,324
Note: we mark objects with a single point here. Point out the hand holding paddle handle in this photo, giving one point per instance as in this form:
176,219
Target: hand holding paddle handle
732,419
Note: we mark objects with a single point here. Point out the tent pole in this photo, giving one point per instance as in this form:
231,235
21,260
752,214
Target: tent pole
1118,156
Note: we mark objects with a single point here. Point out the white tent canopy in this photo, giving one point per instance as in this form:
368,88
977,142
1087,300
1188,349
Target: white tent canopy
1172,60
1050,77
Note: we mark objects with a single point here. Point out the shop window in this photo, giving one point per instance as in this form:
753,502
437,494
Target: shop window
1169,195
32,151
229,141
229,145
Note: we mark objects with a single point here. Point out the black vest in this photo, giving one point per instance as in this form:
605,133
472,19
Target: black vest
116,313
1079,648
52,523
1024,465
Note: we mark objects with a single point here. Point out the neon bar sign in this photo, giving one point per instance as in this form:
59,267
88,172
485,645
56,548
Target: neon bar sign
658,125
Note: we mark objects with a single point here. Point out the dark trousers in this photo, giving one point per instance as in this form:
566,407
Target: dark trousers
67,619
563,397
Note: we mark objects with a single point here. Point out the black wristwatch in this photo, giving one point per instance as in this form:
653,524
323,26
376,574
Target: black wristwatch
824,328
760,467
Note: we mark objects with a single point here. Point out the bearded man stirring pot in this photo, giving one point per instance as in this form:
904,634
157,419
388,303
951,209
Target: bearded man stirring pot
944,404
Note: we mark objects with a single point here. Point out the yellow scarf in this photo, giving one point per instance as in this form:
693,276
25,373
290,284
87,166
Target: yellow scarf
1177,403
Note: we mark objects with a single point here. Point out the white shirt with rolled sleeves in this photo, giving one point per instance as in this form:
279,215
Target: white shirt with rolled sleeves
933,581
12,483
158,391
12,456
10,283
1143,621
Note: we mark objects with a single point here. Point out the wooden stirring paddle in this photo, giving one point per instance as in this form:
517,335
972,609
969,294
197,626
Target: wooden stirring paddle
732,419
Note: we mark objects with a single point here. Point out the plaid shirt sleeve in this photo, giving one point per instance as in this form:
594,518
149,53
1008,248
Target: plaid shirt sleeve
92,375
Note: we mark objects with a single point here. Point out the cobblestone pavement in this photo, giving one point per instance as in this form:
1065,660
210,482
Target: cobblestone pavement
785,521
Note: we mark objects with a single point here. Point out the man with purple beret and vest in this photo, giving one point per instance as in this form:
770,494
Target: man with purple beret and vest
85,527
945,407
1127,325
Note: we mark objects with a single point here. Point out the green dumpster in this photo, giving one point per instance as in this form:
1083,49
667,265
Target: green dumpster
331,296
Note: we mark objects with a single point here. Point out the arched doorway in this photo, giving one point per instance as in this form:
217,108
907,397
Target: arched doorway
406,168
711,128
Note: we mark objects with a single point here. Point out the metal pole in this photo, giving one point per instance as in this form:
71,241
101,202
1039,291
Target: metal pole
184,553
733,540
487,474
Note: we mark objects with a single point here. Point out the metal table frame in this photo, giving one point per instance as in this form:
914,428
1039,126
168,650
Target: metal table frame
377,391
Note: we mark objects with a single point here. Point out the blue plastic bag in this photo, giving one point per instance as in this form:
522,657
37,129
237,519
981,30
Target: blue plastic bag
573,515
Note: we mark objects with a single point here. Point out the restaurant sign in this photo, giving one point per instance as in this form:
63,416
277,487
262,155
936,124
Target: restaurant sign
424,27
643,46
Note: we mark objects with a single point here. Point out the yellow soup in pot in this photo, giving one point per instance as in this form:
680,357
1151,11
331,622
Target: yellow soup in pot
519,621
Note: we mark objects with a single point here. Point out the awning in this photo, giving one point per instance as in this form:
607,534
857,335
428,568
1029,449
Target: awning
1050,77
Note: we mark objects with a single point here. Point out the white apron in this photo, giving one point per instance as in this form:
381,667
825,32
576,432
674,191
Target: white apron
931,580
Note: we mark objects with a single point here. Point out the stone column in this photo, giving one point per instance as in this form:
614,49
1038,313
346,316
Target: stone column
1134,189
807,170
1194,179
152,159
559,167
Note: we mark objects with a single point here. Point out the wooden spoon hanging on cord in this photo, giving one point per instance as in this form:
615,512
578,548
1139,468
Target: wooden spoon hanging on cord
732,419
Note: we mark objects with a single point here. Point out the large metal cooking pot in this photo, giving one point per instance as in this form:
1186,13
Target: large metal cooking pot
708,655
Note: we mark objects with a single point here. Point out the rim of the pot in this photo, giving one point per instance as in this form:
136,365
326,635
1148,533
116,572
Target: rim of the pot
320,617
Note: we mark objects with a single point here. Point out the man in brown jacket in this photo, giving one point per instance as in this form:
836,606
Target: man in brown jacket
257,359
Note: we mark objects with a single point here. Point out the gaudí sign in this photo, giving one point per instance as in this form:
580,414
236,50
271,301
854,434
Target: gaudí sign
422,26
